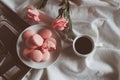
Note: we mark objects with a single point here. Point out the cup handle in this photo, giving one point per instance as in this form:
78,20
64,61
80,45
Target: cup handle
99,45
94,26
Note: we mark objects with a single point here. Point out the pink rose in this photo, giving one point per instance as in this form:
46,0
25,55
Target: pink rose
33,13
59,24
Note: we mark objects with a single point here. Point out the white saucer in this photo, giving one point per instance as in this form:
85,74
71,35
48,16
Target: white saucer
53,55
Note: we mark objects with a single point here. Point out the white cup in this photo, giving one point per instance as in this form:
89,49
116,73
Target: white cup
84,45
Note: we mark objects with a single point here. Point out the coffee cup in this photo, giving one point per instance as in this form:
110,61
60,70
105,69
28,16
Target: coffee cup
84,45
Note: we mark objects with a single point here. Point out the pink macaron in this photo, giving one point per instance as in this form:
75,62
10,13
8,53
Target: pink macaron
30,44
36,55
37,40
49,44
26,53
46,56
28,33
45,33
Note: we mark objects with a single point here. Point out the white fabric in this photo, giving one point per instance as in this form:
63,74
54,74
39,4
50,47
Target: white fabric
103,15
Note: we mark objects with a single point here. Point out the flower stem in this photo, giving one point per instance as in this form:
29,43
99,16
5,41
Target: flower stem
64,11
70,33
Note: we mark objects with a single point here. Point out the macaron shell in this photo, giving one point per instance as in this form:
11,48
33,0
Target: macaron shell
37,40
46,56
49,44
28,33
26,53
30,44
45,33
36,55
52,40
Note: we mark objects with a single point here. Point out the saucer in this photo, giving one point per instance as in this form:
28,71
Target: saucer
20,45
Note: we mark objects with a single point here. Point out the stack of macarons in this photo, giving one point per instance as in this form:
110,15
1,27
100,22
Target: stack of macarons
38,45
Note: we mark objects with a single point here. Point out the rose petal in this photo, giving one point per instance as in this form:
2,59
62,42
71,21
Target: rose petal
59,23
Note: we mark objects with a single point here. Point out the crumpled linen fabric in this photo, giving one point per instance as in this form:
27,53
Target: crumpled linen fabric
99,19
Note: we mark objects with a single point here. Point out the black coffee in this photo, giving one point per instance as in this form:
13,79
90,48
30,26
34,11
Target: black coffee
84,45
